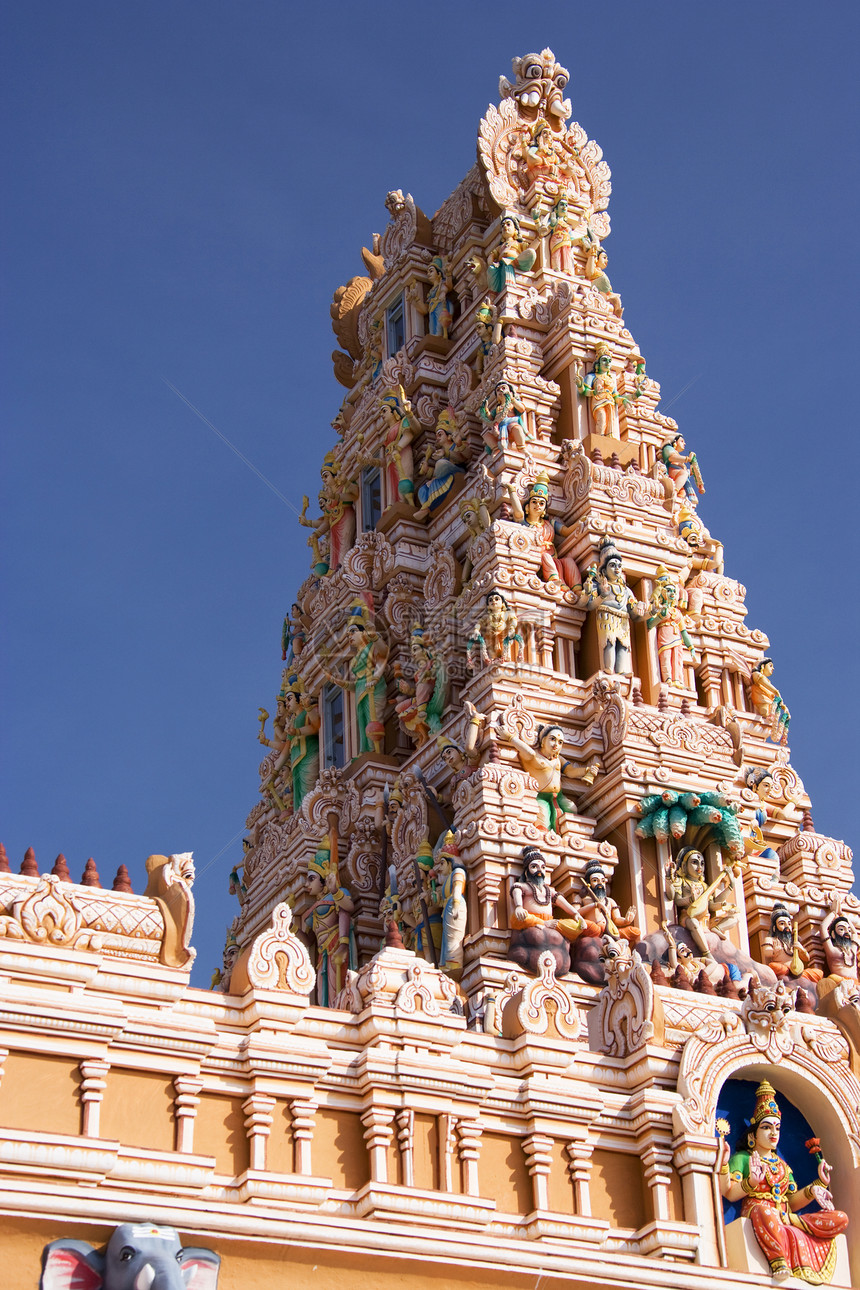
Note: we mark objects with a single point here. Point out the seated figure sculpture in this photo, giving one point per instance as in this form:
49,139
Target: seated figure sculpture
534,926
794,1244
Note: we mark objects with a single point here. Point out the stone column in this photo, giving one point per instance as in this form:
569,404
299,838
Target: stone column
377,1121
405,1128
694,1161
579,1155
185,1107
545,639
93,1085
447,1143
658,1169
469,1133
258,1125
538,1149
302,1110
489,885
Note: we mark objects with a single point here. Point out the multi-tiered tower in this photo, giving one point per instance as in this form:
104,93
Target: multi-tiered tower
532,890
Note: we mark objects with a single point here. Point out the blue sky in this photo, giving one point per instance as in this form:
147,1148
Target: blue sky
188,183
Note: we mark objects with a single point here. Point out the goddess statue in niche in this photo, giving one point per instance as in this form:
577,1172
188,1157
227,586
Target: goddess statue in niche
533,514
605,589
512,254
794,1244
365,675
436,308
442,462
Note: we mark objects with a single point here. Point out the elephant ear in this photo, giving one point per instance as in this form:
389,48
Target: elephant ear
200,1268
71,1265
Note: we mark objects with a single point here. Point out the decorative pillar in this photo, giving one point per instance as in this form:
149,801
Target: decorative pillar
185,1106
447,1143
302,1110
637,878
538,1149
405,1120
258,1125
377,1121
489,885
93,1085
579,1155
545,641
694,1161
469,1133
658,1168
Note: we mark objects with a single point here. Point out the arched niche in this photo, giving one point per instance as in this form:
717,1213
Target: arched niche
812,1072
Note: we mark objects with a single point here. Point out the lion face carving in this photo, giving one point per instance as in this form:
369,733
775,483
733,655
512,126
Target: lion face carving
539,87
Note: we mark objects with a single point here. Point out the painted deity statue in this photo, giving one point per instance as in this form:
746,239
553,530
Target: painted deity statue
449,878
329,920
543,761
364,675
302,731
338,513
535,926
783,952
595,271
293,634
601,390
502,415
420,709
682,468
475,514
461,761
605,589
442,462
512,255
401,427
767,700
279,743
601,913
700,907
495,636
488,325
436,309
841,944
794,1244
705,551
670,622
682,961
544,532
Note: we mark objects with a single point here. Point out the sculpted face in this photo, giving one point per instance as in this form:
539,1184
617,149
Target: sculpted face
695,863
509,228
603,364
494,600
535,508
782,924
315,884
451,757
552,743
767,1135
536,869
291,703
613,569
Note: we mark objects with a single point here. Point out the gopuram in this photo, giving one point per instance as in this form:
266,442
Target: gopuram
541,973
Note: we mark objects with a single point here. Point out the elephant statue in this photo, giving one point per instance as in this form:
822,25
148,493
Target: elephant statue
139,1256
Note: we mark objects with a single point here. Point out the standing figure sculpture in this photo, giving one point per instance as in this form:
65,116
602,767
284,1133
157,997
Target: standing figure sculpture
502,414
495,636
605,589
595,271
700,907
682,468
443,461
534,925
401,427
302,731
767,700
601,390
533,515
543,762
424,696
365,676
338,513
436,309
513,254
488,325
449,878
671,626
794,1244
329,920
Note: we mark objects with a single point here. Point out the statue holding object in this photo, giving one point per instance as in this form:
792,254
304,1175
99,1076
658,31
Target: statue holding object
443,461
338,513
436,309
682,468
302,731
605,589
794,1244
512,255
502,414
425,694
841,953
667,617
601,390
700,906
365,676
783,952
767,700
329,920
495,637
601,913
543,762
449,877
533,515
488,325
535,928
401,427
595,271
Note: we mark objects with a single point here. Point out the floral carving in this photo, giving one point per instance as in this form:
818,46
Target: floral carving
278,960
532,1011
